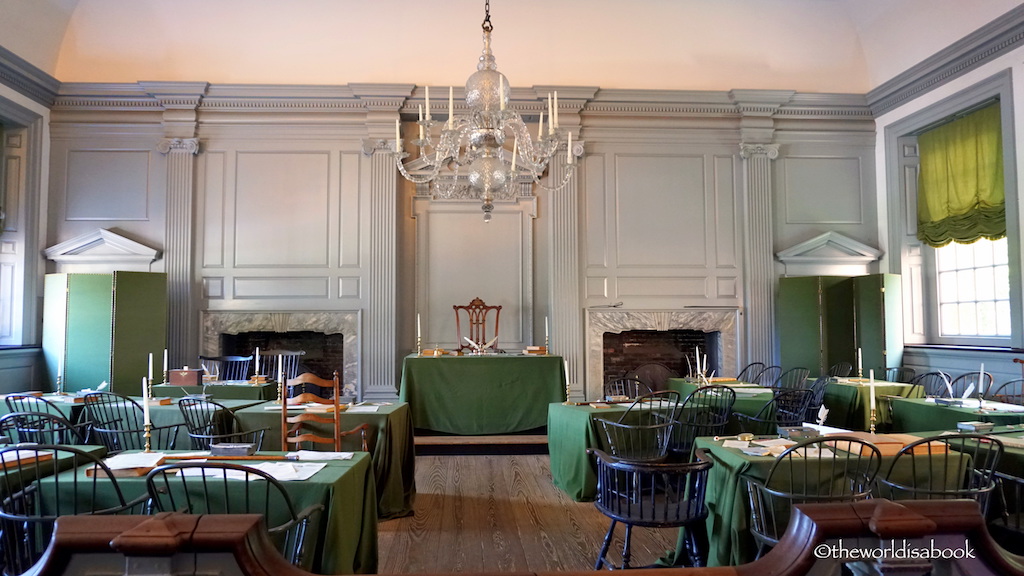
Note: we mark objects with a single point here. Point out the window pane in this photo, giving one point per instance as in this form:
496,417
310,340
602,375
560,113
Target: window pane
999,251
986,318
984,289
968,319
1001,282
982,253
945,258
949,320
947,287
965,285
965,255
1003,318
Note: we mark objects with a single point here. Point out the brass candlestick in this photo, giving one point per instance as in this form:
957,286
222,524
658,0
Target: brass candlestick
419,346
165,376
148,427
60,385
873,419
149,386
280,393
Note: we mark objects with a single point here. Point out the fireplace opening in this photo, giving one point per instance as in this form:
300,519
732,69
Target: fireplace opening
325,353
625,352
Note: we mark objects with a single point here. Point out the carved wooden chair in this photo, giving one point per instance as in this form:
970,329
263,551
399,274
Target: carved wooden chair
476,316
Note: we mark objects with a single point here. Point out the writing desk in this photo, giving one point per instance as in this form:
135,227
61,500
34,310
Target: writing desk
495,394
391,444
916,414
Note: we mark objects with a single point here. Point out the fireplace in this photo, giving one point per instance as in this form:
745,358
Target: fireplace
722,351
673,349
222,329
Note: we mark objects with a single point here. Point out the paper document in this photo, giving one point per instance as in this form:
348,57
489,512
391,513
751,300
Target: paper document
362,409
314,455
126,461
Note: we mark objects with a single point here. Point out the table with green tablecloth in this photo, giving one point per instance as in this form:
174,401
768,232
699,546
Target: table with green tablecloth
391,444
916,414
848,401
571,430
221,390
491,394
728,522
343,535
70,406
749,399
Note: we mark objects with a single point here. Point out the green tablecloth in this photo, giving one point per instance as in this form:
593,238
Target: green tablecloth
749,400
849,403
221,391
571,430
917,414
345,532
391,443
728,522
70,410
482,394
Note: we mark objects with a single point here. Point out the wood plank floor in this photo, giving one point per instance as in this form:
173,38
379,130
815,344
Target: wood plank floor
500,513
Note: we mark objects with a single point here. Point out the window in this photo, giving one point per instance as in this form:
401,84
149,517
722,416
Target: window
962,282
973,289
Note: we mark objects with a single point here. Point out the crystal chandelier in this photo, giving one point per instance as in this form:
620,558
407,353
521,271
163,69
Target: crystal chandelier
474,145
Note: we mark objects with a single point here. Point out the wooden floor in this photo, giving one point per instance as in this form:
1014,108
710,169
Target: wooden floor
499,513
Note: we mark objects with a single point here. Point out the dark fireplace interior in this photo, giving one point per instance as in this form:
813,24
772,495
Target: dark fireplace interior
324,352
675,349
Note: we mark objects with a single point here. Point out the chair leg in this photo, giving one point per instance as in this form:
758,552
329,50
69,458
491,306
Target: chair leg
604,547
625,546
697,544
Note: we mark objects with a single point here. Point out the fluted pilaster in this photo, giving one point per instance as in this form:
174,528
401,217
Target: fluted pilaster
566,307
182,334
760,306
381,303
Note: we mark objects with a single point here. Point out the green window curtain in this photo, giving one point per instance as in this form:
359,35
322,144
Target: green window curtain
960,194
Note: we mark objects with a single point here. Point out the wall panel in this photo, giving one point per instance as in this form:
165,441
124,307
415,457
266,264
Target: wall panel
282,209
107,185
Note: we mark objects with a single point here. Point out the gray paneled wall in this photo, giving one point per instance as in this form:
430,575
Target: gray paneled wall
288,200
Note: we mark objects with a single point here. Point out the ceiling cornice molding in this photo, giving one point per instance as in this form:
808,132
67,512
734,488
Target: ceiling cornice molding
994,39
18,74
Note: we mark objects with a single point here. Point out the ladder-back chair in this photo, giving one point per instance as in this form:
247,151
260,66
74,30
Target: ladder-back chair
306,429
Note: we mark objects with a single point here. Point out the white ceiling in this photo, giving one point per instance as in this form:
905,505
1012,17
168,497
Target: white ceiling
805,45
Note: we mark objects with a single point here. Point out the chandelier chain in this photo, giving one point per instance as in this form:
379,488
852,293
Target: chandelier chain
487,26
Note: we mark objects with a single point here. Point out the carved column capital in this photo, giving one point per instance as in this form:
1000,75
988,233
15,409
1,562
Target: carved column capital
771,151
190,145
371,145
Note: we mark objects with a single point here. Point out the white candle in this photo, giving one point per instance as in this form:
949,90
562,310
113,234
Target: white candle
60,367
418,333
551,116
540,126
150,366
421,125
145,403
555,122
428,102
860,364
165,360
568,147
696,357
515,152
257,359
546,334
871,387
398,136
280,368
451,106
501,93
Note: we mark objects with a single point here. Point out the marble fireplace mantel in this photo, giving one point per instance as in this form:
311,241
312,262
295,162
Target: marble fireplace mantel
617,320
345,322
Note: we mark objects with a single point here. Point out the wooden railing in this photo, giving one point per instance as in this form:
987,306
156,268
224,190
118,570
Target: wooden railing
819,536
